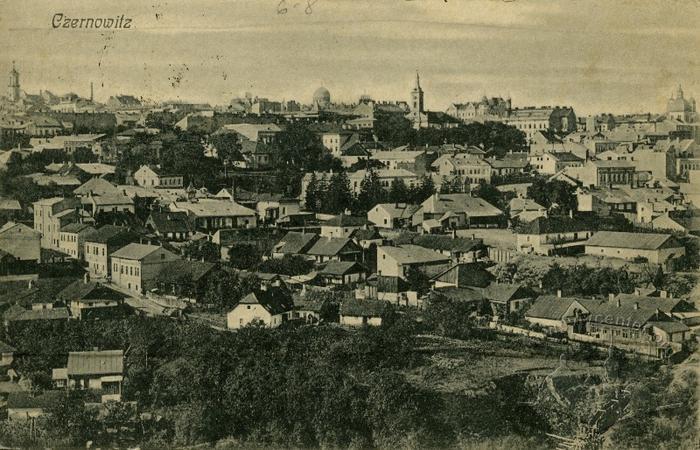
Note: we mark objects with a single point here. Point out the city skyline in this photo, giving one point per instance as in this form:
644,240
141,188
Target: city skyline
596,62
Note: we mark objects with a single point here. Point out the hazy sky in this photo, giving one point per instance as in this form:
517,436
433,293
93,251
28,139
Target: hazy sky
599,56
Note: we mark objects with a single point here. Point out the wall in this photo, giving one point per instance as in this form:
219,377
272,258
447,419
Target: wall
242,315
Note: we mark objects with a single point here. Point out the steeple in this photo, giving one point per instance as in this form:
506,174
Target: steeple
417,88
679,92
417,97
13,85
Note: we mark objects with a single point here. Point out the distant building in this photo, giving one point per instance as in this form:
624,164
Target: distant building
269,307
72,239
52,214
101,371
149,176
135,266
652,247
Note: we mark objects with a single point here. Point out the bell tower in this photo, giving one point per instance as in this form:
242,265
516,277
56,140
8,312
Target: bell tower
13,85
417,97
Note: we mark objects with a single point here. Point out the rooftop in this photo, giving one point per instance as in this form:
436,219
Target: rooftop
103,362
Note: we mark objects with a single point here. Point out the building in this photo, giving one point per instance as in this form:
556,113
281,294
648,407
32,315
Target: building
525,209
52,214
21,243
394,264
110,203
185,279
551,163
100,371
294,243
470,170
209,215
342,226
453,211
366,312
102,243
13,89
652,247
392,215
170,225
530,120
72,241
326,249
88,300
427,119
492,109
269,307
603,173
150,176
553,235
135,266
342,273
680,108
26,406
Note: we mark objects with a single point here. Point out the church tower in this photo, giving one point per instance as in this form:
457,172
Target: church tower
417,97
13,85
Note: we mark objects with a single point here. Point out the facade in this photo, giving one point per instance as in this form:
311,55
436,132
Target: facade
101,371
392,215
603,173
173,226
358,313
270,307
531,120
551,163
652,247
553,235
453,211
470,170
52,214
90,300
20,242
135,266
102,243
211,215
342,226
72,239
148,176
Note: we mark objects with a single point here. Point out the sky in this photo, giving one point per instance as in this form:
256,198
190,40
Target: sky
598,56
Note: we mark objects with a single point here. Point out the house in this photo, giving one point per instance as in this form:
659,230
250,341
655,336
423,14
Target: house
26,405
20,242
460,250
342,273
102,243
551,163
394,265
35,294
342,226
357,313
553,235
90,300
556,312
10,209
525,209
507,298
184,279
270,307
307,308
72,241
101,371
208,215
469,170
463,275
7,353
603,173
136,266
533,119
606,201
335,249
52,214
109,203
151,176
392,215
511,163
677,308
453,211
294,243
96,186
652,247
170,225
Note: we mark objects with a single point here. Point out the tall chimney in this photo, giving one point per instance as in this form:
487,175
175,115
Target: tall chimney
92,98
611,297
558,293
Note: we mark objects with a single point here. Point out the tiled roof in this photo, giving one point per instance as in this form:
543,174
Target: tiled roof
330,246
105,233
173,271
76,227
42,314
618,239
135,251
170,222
413,254
474,206
215,208
275,300
362,308
342,268
460,294
103,362
295,242
80,290
466,274
665,304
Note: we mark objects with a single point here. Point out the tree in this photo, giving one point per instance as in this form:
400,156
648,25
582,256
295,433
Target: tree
417,280
338,196
228,147
311,200
558,195
399,193
201,250
84,155
68,418
224,289
287,265
371,192
420,192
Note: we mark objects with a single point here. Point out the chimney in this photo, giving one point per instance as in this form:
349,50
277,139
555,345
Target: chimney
454,234
617,303
558,293
30,285
611,297
636,305
86,278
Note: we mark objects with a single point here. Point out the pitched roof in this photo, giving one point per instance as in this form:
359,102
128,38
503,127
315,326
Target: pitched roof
295,242
105,234
342,268
80,290
43,290
102,362
665,304
466,274
170,221
327,246
553,307
275,300
399,210
553,224
135,251
441,242
670,326
413,254
460,294
345,220
619,239
76,227
214,208
173,271
624,315
362,308
502,292
473,206
9,204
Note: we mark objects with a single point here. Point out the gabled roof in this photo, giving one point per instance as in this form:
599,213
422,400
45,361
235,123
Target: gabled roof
362,308
42,314
326,246
275,300
361,234
43,290
295,242
170,221
503,292
466,274
342,268
135,251
473,206
553,307
665,304
625,314
345,220
466,294
76,227
173,271
399,210
644,241
413,254
524,204
80,290
214,208
103,362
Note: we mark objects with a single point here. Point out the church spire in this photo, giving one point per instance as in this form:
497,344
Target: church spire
417,81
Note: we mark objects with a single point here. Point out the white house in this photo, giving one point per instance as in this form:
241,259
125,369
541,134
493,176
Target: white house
269,307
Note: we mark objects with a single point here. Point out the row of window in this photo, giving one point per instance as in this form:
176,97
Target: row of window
125,270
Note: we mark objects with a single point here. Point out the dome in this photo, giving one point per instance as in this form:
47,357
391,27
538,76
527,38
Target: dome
322,96
679,105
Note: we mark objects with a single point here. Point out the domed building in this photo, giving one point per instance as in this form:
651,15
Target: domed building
678,107
322,98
